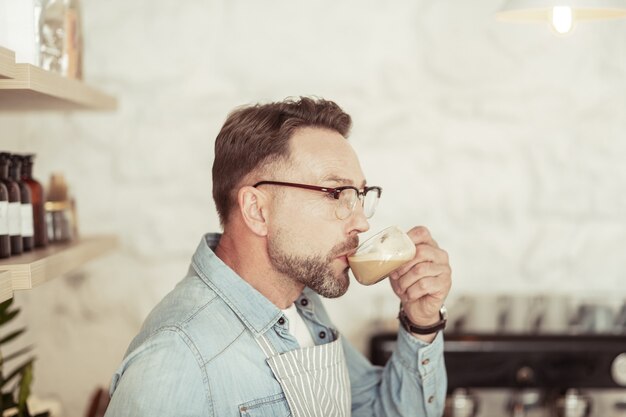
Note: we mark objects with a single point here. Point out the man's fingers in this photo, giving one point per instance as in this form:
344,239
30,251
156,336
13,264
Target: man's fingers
423,287
420,234
423,253
419,272
426,287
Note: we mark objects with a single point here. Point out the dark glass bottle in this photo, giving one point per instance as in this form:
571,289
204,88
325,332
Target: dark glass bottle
28,232
5,241
38,199
15,204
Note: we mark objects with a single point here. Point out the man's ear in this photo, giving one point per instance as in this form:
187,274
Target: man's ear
253,206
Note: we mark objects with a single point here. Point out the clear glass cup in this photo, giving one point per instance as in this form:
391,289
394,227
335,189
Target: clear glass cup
380,255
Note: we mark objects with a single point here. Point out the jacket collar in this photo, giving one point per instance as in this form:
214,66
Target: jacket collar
254,310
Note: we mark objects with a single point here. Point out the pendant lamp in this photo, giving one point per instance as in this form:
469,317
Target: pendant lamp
562,15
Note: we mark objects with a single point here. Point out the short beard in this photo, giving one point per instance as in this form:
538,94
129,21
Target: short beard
313,271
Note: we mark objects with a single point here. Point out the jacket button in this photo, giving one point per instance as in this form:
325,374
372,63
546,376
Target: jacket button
304,302
425,362
431,399
281,321
322,335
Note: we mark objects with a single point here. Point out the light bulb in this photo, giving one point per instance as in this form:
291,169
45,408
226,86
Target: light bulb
562,19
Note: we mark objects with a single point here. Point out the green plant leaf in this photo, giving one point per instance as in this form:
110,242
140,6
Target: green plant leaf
17,371
5,305
11,336
7,401
17,353
5,318
25,384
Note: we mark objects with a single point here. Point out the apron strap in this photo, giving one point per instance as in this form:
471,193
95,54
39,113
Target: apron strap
266,346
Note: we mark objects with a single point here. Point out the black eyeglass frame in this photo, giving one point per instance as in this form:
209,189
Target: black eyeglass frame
334,192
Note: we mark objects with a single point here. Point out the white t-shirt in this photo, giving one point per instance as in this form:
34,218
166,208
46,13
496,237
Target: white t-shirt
297,327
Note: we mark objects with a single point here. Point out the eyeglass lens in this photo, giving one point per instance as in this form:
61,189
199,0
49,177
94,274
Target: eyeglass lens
348,200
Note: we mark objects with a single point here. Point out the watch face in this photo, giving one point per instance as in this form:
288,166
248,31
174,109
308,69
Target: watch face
443,312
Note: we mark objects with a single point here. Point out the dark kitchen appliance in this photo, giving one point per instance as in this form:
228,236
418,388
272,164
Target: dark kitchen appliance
530,373
526,361
537,372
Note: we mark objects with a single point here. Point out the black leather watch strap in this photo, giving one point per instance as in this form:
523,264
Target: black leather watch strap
433,328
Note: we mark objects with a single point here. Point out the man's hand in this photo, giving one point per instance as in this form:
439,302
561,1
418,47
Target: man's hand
423,283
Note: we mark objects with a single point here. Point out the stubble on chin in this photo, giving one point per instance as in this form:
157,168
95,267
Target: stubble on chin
315,272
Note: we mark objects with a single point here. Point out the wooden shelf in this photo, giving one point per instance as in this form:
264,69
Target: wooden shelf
35,268
7,63
27,87
6,287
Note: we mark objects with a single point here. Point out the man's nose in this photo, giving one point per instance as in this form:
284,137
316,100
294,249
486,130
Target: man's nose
358,220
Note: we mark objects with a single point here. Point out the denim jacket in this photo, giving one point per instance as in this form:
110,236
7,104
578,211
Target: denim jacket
196,355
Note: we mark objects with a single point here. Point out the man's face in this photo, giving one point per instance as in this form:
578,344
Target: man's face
306,240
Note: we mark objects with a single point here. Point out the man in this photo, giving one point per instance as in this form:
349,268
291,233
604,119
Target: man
245,332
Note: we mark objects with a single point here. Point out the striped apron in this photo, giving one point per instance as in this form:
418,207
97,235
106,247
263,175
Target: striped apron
315,379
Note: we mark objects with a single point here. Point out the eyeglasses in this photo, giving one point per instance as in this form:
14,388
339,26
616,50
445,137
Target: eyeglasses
347,197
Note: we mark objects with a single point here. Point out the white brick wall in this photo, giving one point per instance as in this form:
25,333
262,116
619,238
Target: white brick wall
507,141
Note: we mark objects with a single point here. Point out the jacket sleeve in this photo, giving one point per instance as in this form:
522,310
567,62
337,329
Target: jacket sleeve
160,378
412,383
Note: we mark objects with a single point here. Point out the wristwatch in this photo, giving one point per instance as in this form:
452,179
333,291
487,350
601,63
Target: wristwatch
412,328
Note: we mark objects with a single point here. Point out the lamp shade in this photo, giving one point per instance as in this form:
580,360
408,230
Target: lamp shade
541,10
